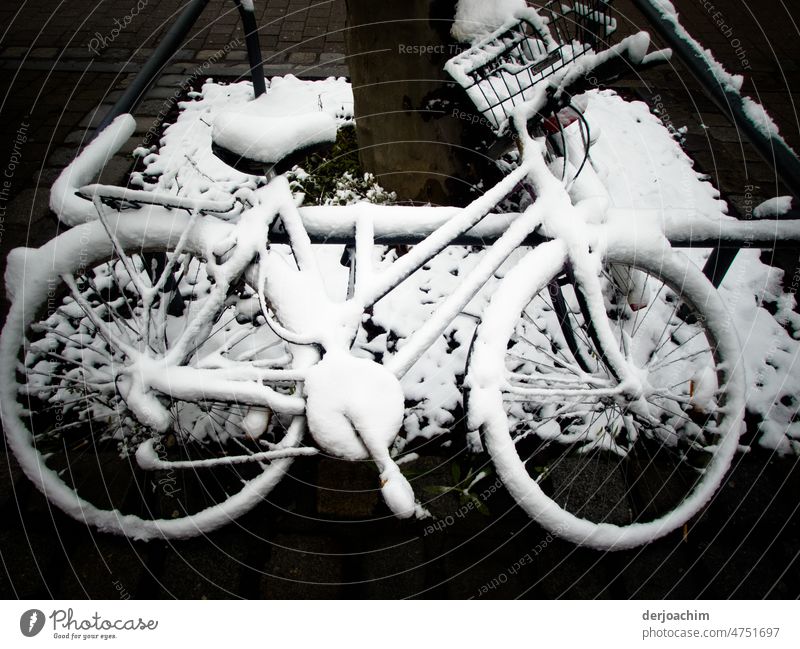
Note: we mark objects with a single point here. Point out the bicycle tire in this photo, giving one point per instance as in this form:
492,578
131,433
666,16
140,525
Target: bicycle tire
630,506
75,442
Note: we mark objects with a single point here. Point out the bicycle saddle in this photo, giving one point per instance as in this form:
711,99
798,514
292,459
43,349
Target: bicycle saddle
254,143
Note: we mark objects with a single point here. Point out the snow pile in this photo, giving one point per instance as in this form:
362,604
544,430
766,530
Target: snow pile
271,139
640,163
184,165
652,171
773,207
476,18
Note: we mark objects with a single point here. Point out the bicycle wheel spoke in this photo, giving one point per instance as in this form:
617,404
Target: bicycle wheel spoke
605,457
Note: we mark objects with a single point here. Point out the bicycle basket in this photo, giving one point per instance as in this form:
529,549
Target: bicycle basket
501,71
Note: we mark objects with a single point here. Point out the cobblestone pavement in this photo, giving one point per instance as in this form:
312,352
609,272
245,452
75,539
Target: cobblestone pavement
312,539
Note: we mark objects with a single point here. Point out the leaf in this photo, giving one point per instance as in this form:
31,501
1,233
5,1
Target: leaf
455,471
438,489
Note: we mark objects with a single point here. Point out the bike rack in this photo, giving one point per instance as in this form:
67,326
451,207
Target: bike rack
170,44
773,149
777,154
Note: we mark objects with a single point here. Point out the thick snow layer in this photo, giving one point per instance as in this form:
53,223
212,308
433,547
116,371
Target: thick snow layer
773,207
184,164
652,186
271,139
353,405
71,209
652,171
476,18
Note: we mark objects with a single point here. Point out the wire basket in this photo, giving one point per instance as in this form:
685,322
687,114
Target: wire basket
501,71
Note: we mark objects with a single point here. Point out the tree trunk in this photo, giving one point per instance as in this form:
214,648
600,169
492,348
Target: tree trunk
410,122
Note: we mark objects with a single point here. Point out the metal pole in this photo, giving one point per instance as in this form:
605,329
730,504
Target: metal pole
772,148
167,47
253,48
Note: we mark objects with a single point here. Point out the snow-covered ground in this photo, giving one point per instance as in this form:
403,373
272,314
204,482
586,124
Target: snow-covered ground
642,166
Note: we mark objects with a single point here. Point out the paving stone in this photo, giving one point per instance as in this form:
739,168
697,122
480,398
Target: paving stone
170,80
236,55
396,571
302,58
116,170
78,137
290,37
346,489
303,567
160,92
62,156
331,57
44,52
152,107
30,206
204,568
98,566
95,116
15,52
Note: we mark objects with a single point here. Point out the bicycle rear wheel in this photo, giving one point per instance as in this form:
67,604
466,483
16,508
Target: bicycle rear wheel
66,416
587,464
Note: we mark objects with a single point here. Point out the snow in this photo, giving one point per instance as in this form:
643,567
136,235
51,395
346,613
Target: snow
652,187
726,79
773,207
652,183
356,406
498,95
731,83
185,165
476,18
758,115
72,210
271,139
355,409
167,200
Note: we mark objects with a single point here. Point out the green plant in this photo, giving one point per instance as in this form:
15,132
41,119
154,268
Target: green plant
337,178
462,487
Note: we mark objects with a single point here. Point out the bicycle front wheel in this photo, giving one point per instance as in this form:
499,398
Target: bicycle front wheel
79,308
589,464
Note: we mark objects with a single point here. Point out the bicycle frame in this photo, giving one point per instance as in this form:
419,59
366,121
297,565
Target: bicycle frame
432,229
369,288
317,328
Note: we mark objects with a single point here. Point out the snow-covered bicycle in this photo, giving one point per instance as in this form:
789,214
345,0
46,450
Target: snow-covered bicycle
206,347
